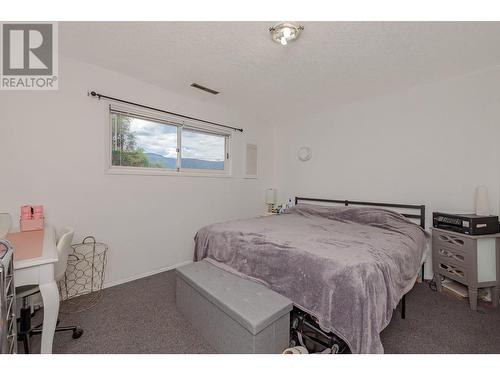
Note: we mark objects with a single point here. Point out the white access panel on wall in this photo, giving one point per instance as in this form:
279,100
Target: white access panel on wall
251,161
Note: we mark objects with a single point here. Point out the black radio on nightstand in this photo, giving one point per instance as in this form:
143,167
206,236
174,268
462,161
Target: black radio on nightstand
466,223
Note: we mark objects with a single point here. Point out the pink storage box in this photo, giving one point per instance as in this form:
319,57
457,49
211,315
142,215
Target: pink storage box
32,224
26,212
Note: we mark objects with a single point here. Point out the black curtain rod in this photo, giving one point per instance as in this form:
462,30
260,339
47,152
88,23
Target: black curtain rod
99,96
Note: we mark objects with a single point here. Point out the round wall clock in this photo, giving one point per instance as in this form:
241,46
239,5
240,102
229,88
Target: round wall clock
304,153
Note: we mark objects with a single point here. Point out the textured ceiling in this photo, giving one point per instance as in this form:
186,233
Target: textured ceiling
330,64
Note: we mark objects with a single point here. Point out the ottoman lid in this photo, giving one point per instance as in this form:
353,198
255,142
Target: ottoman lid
251,304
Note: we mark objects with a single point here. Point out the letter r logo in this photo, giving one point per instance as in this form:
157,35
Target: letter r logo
27,49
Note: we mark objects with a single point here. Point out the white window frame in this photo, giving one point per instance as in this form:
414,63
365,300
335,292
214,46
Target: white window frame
180,124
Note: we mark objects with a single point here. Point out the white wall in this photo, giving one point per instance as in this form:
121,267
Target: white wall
52,152
429,145
432,144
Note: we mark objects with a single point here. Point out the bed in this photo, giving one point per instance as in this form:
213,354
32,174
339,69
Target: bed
348,266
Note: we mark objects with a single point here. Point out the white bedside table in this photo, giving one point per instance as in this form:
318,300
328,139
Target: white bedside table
473,261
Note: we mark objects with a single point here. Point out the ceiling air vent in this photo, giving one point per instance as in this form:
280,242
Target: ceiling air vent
203,88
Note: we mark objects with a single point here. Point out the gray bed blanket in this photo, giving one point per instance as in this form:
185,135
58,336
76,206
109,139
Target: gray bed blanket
346,266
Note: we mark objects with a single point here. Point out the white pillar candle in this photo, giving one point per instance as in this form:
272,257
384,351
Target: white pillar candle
482,201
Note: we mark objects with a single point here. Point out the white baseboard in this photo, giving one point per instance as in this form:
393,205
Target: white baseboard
145,274
37,301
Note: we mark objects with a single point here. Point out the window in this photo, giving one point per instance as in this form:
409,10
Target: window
142,143
138,142
202,150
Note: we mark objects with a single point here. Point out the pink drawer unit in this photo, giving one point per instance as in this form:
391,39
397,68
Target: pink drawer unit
31,224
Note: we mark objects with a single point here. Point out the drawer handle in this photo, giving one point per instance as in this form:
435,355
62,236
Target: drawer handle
9,282
12,322
13,340
452,240
10,303
452,255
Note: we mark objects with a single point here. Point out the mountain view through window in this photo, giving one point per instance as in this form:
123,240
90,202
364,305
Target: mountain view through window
145,143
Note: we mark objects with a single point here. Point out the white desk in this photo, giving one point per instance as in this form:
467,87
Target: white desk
40,271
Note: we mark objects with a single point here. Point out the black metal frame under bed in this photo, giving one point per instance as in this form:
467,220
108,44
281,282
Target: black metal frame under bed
420,216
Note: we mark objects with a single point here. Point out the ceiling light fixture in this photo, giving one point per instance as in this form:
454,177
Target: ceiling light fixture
285,32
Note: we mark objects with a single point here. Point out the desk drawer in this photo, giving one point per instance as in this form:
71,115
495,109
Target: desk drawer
8,324
452,242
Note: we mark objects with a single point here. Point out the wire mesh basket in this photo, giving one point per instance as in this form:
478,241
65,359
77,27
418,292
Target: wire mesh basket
84,277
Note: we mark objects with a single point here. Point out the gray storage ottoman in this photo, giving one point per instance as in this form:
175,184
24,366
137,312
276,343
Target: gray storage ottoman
233,314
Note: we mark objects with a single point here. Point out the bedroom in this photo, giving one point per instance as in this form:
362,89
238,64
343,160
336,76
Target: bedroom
122,145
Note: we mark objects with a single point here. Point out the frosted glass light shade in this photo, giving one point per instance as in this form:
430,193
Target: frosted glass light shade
482,201
285,32
270,196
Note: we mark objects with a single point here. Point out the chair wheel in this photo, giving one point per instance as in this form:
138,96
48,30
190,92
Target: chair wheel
77,333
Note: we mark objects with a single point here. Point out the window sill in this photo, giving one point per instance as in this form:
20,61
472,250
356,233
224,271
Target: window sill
156,172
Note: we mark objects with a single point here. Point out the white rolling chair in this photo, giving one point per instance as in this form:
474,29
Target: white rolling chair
5,224
24,292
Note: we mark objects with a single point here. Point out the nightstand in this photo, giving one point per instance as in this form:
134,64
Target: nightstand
470,260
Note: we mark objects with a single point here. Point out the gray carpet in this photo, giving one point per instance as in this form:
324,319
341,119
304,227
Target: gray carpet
140,317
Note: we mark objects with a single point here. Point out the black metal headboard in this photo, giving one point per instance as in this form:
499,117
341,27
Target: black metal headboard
411,207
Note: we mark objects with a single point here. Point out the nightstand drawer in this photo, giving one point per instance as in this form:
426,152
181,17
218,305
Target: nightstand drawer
452,270
452,241
447,254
